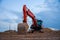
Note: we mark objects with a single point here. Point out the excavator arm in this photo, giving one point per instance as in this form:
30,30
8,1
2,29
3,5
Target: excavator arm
26,12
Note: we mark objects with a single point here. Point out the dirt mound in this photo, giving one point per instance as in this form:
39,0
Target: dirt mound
47,35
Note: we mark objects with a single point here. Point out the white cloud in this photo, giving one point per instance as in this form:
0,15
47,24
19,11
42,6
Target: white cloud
13,26
4,26
8,15
29,21
54,29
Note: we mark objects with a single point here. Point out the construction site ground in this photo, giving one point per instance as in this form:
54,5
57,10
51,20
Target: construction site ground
47,35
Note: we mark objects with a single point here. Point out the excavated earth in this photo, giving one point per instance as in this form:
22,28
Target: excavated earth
47,35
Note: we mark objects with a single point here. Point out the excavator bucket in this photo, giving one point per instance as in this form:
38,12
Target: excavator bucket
22,28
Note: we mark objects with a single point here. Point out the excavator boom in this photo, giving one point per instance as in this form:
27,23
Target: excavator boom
26,12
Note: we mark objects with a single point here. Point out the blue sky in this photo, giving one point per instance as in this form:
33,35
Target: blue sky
11,13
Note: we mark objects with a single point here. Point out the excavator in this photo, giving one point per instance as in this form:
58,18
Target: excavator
36,24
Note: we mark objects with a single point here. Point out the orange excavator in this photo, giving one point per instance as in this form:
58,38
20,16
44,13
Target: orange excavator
36,24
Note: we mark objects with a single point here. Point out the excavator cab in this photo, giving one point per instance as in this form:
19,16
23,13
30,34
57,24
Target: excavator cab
39,22
39,26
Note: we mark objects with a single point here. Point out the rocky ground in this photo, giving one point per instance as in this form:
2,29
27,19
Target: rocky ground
47,35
